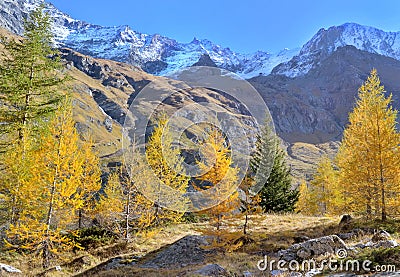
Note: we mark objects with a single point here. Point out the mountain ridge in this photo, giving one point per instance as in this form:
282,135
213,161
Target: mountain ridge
121,43
326,41
160,55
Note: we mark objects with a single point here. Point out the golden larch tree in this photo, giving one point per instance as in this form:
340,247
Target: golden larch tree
122,205
368,157
90,181
307,203
219,177
110,207
325,189
30,73
58,187
166,162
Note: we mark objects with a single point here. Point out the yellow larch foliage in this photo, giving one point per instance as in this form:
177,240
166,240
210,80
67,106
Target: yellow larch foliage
90,182
110,207
368,158
219,178
166,162
57,188
325,190
307,203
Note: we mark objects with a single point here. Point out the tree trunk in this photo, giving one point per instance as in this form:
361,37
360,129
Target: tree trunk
368,209
384,217
46,254
46,241
369,205
14,210
21,139
218,222
21,131
127,212
382,179
80,219
245,224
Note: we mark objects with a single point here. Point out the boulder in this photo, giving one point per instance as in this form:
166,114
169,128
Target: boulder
248,274
351,235
313,248
277,272
346,219
190,250
211,270
379,239
108,124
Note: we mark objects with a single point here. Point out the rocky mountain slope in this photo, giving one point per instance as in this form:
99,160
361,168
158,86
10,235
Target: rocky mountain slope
314,107
106,89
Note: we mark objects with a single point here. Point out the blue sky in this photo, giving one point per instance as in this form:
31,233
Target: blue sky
244,26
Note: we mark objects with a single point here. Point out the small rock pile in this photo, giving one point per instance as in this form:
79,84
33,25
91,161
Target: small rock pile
313,248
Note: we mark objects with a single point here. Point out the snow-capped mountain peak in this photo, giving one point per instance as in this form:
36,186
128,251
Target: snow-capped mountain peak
155,53
326,41
161,55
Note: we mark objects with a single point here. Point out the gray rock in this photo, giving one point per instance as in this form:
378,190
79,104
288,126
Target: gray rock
248,274
186,251
313,248
388,274
108,124
111,108
205,60
351,235
379,239
311,273
360,245
9,269
277,272
211,270
381,236
386,244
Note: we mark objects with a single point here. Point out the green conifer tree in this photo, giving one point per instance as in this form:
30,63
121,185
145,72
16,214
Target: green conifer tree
30,75
273,174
